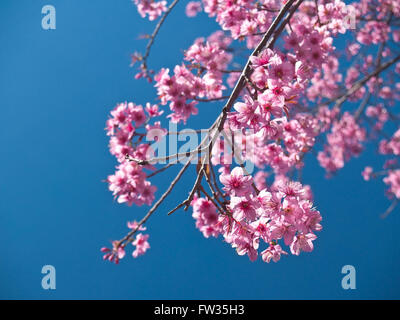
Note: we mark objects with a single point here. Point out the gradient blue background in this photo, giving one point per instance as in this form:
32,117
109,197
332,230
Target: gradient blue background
56,90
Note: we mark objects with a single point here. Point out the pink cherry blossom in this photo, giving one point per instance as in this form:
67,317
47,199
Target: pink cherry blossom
141,245
152,8
236,183
302,242
367,173
273,253
192,8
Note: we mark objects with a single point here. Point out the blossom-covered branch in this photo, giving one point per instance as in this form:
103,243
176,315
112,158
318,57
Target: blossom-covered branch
295,94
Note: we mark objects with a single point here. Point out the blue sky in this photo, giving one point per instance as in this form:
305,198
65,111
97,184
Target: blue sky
56,90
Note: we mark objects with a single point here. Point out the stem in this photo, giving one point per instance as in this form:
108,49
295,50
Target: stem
155,32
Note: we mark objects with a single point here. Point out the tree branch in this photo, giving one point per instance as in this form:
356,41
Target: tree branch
155,32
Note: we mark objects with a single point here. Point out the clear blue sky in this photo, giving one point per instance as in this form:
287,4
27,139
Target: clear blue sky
56,90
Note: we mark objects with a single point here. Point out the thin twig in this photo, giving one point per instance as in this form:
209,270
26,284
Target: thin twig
160,170
340,99
390,209
176,156
155,32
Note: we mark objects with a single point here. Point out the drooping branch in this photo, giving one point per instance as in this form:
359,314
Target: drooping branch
358,84
341,98
367,97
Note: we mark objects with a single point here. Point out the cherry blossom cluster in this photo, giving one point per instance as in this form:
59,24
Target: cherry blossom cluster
182,89
312,46
129,183
344,141
152,9
117,252
280,144
282,213
243,19
246,19
374,14
193,8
